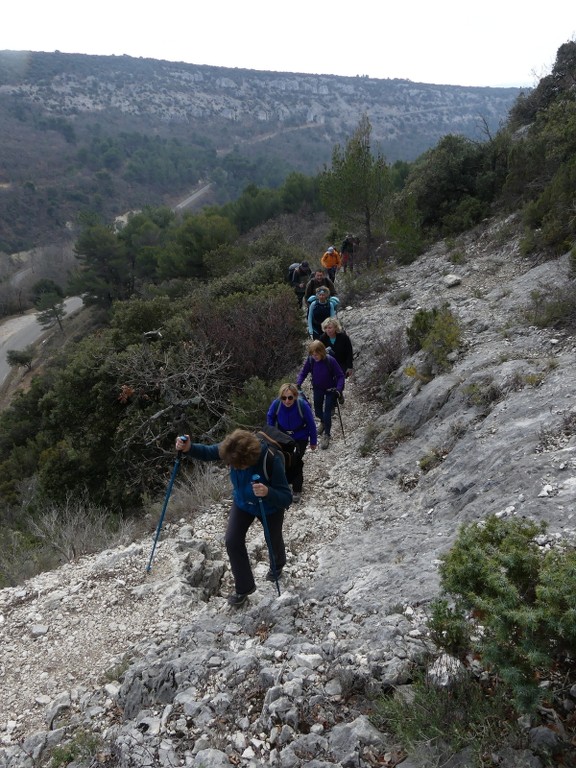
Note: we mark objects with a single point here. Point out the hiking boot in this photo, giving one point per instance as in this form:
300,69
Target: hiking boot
270,575
325,442
296,496
320,429
236,599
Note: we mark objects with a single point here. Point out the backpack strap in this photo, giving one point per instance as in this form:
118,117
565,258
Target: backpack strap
299,404
268,461
331,359
268,464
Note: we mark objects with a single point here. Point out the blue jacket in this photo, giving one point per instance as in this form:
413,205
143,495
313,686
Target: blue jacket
279,494
326,374
289,420
317,312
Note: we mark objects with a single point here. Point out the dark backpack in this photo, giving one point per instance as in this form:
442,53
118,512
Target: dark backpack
291,269
279,443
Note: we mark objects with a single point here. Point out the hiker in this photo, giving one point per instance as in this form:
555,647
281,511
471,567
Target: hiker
320,278
347,252
336,339
293,415
331,262
299,277
246,454
322,305
327,384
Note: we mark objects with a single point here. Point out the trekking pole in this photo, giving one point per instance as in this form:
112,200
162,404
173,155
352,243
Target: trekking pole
166,499
340,417
256,479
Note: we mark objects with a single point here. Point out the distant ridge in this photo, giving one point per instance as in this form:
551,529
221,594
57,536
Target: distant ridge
58,110
407,117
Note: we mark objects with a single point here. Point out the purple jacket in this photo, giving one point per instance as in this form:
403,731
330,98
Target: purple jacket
289,420
326,374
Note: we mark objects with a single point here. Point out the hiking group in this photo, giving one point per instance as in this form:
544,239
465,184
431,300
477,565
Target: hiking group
266,467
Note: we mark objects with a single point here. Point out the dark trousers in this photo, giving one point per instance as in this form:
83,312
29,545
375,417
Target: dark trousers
238,524
294,474
324,404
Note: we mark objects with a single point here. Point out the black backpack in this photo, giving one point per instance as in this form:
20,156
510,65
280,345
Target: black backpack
279,443
291,269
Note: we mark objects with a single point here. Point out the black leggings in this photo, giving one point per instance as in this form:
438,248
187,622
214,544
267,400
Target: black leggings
294,474
238,524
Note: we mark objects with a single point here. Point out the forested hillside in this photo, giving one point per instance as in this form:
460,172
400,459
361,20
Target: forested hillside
105,135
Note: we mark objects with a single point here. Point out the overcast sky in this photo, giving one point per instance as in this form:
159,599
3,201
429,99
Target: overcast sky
489,42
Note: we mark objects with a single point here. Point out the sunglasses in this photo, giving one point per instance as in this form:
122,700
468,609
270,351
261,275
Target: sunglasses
287,397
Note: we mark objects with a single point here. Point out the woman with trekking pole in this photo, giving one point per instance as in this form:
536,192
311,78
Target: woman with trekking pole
327,385
265,498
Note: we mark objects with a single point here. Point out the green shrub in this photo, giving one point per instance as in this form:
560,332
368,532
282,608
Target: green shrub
431,459
399,297
250,405
482,394
354,286
468,212
437,332
369,440
457,257
553,309
435,723
405,231
387,356
82,746
443,338
521,601
449,629
391,439
420,327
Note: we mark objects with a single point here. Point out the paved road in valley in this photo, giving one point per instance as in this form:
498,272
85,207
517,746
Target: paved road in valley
22,330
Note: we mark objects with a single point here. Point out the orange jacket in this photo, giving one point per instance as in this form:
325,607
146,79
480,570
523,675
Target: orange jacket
330,260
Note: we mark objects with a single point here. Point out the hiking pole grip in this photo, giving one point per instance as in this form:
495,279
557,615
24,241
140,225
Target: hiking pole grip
256,479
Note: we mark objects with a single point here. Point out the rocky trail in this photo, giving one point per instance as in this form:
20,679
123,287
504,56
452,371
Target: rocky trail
162,672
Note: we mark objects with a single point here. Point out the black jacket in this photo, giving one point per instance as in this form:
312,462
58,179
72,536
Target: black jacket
342,349
300,277
312,285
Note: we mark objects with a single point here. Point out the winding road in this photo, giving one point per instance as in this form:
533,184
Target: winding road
22,330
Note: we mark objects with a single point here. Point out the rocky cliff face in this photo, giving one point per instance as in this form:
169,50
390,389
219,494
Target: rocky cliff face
157,670
113,133
407,117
